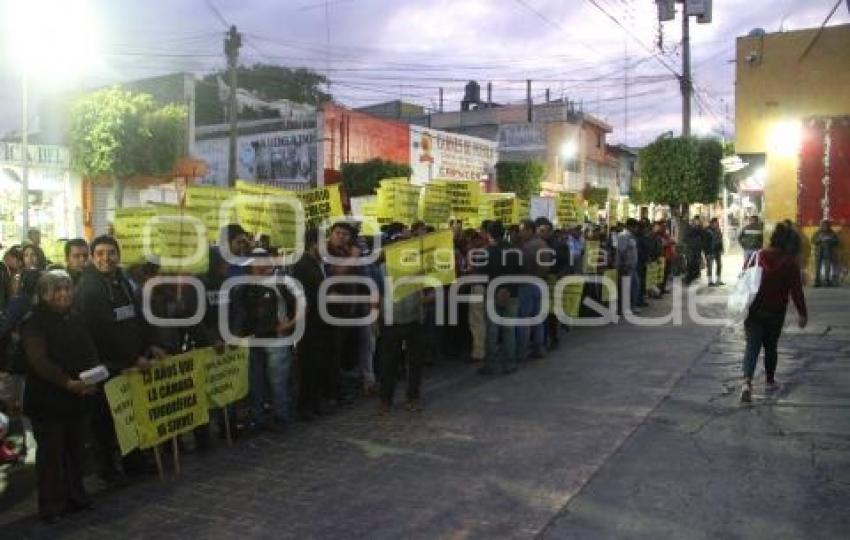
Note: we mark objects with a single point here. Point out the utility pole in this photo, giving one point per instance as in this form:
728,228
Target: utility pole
25,159
528,101
702,10
686,80
232,44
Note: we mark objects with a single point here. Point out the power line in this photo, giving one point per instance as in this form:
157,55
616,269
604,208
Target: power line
211,6
638,40
545,18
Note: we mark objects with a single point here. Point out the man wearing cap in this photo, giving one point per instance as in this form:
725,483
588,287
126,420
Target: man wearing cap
266,311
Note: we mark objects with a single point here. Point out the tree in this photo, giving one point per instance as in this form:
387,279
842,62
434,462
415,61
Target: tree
117,134
520,177
679,171
268,82
363,178
595,196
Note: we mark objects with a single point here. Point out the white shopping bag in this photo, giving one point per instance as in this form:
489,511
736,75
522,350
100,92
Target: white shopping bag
741,298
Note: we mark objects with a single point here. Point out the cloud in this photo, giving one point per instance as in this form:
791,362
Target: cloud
385,49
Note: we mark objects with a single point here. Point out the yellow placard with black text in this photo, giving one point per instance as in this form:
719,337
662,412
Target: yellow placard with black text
120,400
226,376
169,398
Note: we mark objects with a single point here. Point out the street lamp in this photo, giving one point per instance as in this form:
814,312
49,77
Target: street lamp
50,39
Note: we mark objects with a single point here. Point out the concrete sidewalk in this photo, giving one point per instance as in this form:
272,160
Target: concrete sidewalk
703,465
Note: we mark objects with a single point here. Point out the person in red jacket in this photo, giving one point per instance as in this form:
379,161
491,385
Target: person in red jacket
763,326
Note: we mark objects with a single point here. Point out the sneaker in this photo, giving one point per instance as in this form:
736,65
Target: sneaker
746,393
485,371
771,384
384,409
536,355
719,284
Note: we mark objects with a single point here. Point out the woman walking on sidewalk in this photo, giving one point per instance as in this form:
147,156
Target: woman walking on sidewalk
780,279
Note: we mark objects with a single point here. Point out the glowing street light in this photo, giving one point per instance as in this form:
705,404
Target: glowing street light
46,39
569,150
784,138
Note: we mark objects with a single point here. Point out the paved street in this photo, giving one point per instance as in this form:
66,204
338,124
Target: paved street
624,432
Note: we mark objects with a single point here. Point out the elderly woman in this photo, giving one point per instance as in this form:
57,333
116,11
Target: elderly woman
58,348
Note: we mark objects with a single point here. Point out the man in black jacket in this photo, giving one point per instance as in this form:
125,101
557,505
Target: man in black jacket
104,298
314,349
501,339
266,311
695,244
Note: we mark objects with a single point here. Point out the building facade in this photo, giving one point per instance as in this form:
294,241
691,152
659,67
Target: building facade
789,87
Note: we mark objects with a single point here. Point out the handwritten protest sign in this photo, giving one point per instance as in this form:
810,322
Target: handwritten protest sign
169,398
120,401
226,376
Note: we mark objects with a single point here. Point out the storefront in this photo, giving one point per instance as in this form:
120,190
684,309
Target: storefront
55,200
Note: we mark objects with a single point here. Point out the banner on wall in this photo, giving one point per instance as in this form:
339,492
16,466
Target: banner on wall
439,154
288,155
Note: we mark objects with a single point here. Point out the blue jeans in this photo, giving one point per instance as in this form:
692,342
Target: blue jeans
270,377
528,338
763,330
501,340
824,262
635,292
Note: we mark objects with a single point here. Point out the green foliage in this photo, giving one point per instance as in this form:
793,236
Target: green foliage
595,196
116,134
520,177
677,170
269,82
363,178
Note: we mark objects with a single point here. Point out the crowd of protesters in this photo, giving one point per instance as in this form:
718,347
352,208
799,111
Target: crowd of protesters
59,320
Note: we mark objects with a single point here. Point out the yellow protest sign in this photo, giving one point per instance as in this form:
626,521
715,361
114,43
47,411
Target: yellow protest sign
265,210
129,226
404,259
398,200
592,254
567,209
120,401
463,196
611,277
438,259
169,398
434,206
429,255
521,210
226,376
571,299
320,204
182,240
496,206
209,201
655,273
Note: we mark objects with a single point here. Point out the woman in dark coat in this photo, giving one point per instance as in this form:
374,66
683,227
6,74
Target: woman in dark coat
58,348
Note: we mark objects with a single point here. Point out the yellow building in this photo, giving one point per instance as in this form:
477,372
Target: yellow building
782,80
